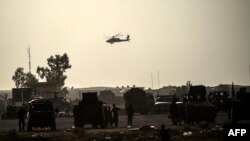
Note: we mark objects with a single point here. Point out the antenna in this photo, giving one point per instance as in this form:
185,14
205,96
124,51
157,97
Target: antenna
29,59
158,79
152,81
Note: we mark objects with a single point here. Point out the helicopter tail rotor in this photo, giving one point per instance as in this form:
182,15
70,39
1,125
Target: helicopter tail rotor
128,39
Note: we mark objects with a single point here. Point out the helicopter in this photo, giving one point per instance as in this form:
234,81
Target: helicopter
116,38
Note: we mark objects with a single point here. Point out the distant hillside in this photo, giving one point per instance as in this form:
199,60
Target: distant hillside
76,92
94,88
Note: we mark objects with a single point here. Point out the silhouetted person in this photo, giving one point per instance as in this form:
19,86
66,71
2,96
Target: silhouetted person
229,107
115,115
164,133
106,115
56,111
173,111
21,115
130,113
109,117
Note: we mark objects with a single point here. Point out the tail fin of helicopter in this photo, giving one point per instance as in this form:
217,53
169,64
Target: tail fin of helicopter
128,37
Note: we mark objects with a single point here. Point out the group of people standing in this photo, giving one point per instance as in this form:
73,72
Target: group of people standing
112,115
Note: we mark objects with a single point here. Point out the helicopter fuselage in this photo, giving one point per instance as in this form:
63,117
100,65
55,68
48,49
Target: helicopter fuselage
115,39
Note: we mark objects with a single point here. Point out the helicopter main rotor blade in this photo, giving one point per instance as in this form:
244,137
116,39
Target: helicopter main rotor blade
117,35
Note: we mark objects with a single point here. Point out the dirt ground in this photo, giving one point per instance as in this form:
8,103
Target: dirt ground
65,132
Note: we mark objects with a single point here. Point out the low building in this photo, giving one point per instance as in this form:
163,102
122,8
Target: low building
22,95
48,90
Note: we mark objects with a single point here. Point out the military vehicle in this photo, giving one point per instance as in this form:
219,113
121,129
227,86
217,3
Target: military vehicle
195,107
140,100
219,99
239,110
90,111
41,114
162,104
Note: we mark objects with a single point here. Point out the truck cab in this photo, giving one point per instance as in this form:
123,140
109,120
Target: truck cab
41,114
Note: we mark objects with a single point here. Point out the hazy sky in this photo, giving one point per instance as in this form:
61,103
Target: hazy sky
205,41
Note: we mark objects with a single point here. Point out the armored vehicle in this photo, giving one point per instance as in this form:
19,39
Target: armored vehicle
162,104
89,111
41,114
194,107
140,100
240,105
219,99
197,108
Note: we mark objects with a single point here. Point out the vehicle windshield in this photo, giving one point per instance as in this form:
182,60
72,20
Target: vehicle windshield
40,107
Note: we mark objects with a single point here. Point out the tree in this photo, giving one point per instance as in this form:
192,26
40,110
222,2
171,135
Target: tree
65,91
30,80
19,77
23,79
55,72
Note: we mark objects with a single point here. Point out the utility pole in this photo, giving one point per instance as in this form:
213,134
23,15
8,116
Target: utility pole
158,79
29,59
152,83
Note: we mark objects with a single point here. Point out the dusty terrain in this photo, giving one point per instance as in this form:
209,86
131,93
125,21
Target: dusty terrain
9,130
